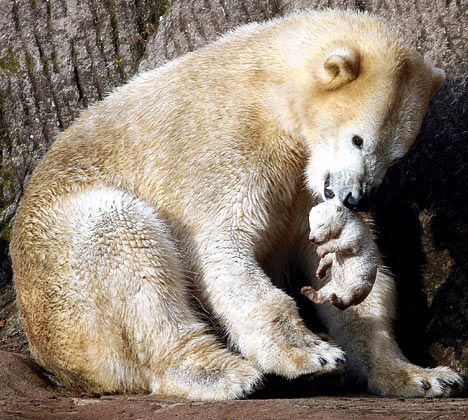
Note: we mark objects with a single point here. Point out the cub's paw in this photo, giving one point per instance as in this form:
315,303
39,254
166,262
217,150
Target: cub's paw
310,292
324,250
323,266
407,380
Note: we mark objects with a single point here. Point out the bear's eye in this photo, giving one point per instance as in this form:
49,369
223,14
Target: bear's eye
358,141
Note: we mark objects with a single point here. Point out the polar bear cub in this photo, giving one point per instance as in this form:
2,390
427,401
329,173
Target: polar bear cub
347,245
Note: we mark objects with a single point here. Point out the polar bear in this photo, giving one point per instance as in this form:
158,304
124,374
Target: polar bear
346,243
186,193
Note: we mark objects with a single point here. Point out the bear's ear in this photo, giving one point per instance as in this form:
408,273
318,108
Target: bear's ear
438,77
340,66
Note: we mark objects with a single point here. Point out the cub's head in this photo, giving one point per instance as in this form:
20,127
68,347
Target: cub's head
361,107
326,220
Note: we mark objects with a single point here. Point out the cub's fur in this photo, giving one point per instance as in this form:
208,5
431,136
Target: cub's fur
190,179
347,245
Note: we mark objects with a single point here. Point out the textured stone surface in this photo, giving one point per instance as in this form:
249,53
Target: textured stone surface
59,56
56,57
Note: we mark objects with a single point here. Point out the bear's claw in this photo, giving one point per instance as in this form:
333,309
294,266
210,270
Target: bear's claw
408,380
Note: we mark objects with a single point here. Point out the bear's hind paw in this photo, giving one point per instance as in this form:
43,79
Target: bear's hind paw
228,378
414,381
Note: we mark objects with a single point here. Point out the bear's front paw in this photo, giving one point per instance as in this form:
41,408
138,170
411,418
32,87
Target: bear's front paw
309,356
407,380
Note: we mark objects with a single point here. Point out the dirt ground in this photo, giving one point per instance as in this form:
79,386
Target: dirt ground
27,393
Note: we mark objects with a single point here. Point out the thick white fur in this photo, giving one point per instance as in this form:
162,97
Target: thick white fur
187,186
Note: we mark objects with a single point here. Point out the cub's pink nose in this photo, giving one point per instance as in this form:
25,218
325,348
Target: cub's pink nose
313,239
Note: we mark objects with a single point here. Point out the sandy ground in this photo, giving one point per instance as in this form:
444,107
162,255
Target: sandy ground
27,393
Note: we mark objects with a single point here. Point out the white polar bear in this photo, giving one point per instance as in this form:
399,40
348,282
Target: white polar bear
187,184
347,245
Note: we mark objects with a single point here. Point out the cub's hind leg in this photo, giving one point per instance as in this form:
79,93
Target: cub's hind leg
117,316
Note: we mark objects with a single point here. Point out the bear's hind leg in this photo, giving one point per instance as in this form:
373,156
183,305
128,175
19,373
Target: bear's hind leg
123,320
365,333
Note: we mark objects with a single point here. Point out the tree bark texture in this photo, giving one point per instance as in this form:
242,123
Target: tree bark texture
59,56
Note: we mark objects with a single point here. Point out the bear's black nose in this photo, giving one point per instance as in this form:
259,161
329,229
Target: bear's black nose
360,203
328,191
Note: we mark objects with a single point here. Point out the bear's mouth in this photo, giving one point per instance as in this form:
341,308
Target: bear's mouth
327,189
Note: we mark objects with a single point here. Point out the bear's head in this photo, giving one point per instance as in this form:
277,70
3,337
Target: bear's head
360,106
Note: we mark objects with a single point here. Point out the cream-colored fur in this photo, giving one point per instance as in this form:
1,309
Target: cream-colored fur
187,183
347,245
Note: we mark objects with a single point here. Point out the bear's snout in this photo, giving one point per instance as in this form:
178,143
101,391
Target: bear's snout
353,190
354,203
361,202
